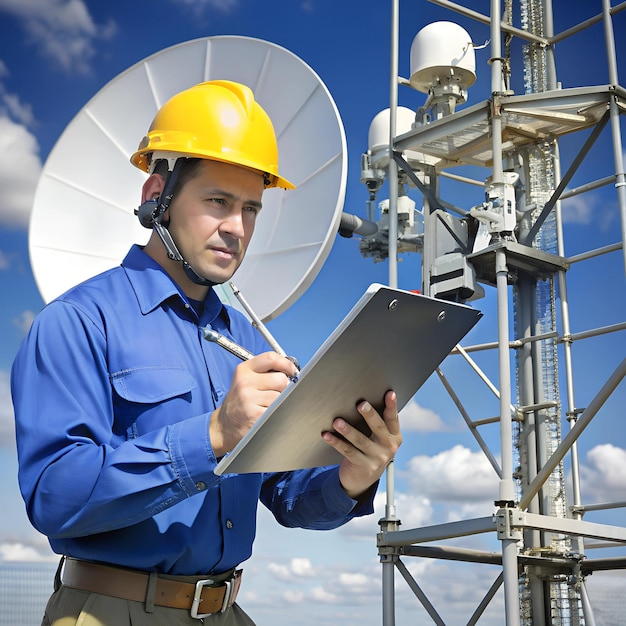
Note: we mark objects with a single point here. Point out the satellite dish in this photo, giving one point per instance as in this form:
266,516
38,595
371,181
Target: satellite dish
83,222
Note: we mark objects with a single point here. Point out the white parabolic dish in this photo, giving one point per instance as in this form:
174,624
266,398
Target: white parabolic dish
83,222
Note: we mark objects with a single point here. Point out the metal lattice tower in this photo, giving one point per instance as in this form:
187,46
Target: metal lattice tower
542,163
543,538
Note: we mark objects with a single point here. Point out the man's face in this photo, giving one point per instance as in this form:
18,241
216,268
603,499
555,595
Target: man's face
212,217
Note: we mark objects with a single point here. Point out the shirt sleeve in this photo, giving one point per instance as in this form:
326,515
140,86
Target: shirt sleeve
313,499
79,472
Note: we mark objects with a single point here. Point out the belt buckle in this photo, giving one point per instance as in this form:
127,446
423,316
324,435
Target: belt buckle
197,597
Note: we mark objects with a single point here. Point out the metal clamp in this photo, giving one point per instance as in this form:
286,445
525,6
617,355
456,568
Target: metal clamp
509,522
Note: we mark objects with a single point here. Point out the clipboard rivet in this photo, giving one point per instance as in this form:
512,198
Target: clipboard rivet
393,305
441,316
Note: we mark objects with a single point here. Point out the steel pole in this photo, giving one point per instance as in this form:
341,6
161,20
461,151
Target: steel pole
618,156
390,519
507,491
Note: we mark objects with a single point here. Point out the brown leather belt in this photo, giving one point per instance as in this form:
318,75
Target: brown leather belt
201,598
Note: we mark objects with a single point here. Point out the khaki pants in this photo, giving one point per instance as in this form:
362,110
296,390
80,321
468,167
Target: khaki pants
72,607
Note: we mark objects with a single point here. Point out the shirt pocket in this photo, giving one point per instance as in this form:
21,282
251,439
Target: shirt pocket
147,398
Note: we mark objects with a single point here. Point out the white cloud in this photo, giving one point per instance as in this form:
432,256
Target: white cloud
603,474
590,210
319,579
20,163
279,571
24,553
355,582
12,107
302,567
471,510
414,417
319,594
577,210
62,30
7,420
351,585
293,597
457,475
20,167
413,511
10,104
24,321
29,547
296,568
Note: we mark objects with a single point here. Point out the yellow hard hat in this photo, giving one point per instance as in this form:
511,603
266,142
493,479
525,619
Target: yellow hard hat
217,120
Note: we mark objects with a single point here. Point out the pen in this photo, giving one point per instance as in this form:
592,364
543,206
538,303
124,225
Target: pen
226,343
233,347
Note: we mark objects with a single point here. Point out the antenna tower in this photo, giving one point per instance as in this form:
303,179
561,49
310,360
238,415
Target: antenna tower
511,243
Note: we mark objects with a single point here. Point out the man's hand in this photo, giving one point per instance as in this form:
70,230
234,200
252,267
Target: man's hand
365,458
256,384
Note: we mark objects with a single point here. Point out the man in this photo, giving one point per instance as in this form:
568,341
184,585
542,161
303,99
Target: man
123,409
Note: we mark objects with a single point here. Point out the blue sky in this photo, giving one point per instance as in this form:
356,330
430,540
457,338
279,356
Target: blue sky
56,55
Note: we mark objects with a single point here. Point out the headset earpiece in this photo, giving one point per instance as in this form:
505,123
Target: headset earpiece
146,212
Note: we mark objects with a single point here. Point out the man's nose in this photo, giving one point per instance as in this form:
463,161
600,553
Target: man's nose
233,224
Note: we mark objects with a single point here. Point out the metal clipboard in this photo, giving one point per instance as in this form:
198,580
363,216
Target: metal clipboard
391,339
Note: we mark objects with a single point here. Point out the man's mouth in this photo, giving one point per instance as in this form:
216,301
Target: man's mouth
224,253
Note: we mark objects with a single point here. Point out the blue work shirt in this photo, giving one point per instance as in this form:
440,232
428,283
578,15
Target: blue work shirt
113,389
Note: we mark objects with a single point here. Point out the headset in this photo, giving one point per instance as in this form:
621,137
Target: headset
148,212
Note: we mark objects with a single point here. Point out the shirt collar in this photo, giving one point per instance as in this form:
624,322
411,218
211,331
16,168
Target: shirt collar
153,285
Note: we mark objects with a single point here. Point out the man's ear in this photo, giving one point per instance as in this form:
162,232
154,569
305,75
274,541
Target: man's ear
152,188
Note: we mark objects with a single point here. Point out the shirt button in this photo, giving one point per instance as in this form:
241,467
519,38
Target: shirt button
200,485
229,524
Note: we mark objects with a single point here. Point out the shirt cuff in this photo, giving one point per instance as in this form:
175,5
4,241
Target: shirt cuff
192,457
336,499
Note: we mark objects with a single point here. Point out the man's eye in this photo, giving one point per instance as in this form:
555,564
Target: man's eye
252,209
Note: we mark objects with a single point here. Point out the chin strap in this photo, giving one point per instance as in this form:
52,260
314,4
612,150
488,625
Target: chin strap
150,214
174,254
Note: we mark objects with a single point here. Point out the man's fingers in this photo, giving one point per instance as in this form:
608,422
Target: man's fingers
390,414
273,362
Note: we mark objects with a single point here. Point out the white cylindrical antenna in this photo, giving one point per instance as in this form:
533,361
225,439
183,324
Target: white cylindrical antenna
442,54
378,138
